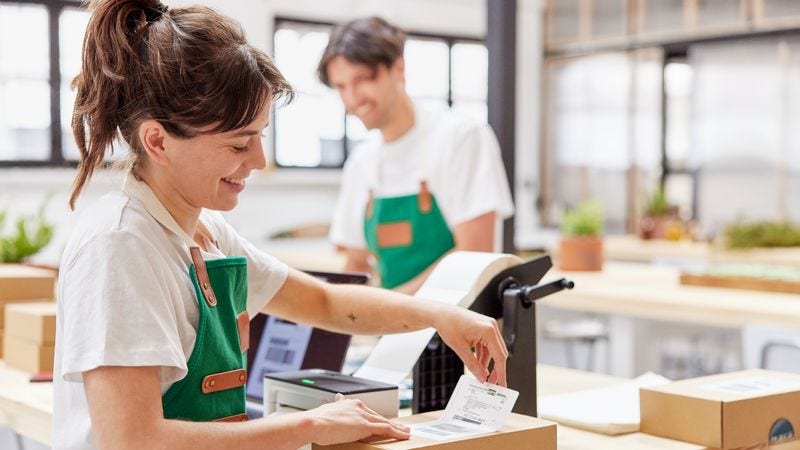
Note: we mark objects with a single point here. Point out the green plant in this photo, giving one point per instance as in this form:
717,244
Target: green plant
586,219
30,234
657,204
743,235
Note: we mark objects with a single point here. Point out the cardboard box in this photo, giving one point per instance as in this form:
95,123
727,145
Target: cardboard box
748,409
519,433
33,322
19,282
11,302
28,356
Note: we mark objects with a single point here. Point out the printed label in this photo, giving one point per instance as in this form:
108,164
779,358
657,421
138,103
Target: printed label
753,386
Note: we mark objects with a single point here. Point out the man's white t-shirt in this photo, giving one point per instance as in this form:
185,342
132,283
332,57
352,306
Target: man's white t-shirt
458,157
125,297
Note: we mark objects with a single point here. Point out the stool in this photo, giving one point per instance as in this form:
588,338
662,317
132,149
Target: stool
770,347
573,332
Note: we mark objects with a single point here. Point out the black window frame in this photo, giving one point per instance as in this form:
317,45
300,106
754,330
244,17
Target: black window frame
54,10
449,39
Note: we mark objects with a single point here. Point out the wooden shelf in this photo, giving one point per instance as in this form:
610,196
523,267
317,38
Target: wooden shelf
638,34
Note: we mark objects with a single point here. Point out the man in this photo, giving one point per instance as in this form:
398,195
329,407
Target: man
429,184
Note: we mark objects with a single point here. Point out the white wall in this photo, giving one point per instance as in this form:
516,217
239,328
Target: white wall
287,198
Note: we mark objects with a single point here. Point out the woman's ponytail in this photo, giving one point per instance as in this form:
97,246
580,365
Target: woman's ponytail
188,68
109,70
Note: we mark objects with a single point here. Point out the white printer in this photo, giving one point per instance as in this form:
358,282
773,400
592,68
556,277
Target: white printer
308,389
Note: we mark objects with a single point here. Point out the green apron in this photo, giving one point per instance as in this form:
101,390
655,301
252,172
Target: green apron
406,234
214,387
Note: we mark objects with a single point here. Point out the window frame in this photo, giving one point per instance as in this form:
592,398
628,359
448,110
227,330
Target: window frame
448,39
54,10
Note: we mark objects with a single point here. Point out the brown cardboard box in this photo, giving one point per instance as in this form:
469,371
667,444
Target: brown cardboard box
19,282
33,322
519,433
28,356
29,300
745,409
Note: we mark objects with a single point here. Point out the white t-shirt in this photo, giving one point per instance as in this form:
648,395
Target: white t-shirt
125,297
459,158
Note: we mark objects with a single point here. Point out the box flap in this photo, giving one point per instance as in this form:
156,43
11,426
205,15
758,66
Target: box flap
734,386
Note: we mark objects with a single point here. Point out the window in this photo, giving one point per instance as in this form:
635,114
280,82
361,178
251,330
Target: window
603,139
314,131
35,74
678,176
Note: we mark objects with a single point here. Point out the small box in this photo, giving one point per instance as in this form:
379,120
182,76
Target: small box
19,282
747,409
520,432
13,302
34,322
28,356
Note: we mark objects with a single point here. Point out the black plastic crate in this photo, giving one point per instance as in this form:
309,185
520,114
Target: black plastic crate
435,376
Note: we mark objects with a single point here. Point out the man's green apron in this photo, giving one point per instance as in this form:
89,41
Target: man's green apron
406,234
213,389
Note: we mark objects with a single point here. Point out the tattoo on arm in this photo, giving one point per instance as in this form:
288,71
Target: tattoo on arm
352,317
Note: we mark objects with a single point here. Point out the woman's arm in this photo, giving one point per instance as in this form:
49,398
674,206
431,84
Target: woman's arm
366,310
126,413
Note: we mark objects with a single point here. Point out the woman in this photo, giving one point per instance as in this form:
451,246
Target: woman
156,290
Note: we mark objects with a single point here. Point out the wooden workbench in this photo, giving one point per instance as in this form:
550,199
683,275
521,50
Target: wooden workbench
654,292
27,409
631,248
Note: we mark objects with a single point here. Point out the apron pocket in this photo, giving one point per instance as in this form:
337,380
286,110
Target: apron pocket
394,234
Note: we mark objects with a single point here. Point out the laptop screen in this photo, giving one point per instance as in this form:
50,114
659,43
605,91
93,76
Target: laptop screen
277,345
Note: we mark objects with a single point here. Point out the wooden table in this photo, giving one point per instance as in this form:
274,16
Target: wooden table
558,380
27,408
654,292
631,248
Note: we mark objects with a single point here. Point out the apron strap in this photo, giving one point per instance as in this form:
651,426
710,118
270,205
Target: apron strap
370,204
424,199
202,276
224,380
243,324
233,418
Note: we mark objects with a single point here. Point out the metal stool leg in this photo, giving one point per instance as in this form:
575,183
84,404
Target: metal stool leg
20,442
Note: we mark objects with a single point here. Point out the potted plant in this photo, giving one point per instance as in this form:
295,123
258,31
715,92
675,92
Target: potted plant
581,246
29,235
745,235
658,214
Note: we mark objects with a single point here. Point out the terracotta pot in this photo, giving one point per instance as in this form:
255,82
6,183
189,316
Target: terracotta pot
580,253
655,227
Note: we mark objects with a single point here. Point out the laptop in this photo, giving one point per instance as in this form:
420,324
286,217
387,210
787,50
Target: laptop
278,345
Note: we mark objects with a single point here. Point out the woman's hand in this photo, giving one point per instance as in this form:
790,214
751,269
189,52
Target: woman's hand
464,330
347,420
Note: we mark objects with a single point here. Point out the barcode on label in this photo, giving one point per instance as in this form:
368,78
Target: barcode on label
444,429
278,342
279,355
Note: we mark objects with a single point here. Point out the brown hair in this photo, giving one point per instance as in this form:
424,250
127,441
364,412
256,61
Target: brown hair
371,41
187,68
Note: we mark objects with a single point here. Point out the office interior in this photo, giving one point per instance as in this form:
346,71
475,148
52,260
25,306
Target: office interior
611,101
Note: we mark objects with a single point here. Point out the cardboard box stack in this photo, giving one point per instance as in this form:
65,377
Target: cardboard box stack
747,409
30,336
519,432
19,283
